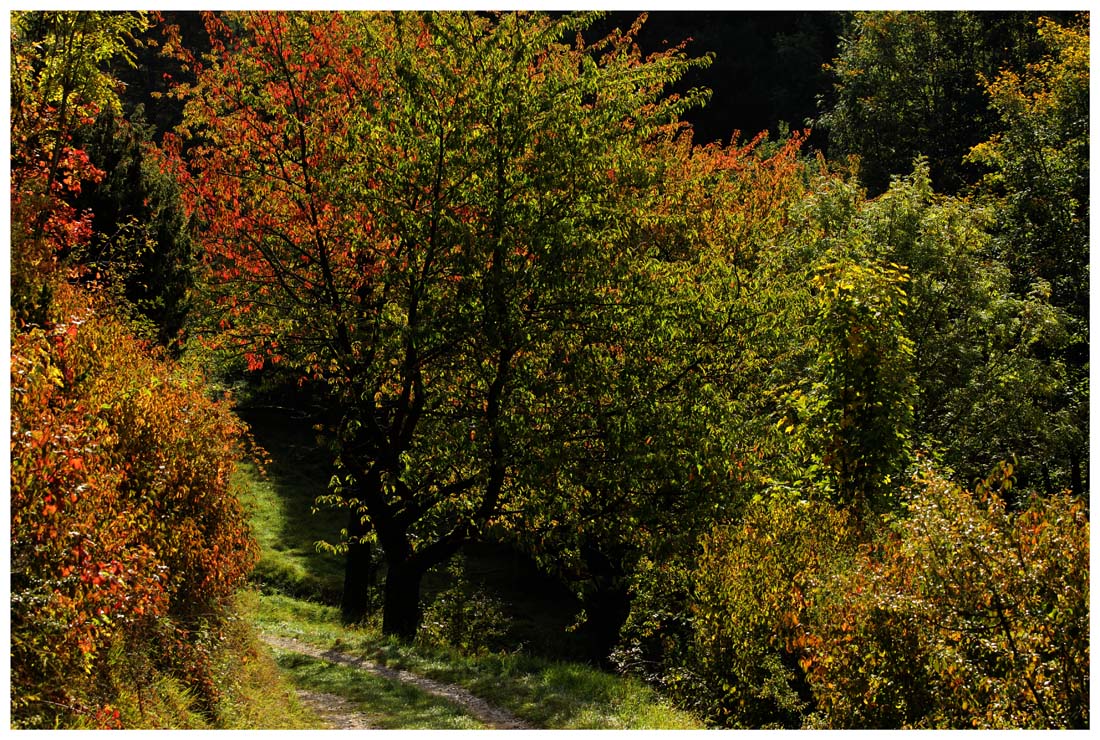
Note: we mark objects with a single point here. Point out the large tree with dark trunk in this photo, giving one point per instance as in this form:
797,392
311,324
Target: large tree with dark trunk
410,208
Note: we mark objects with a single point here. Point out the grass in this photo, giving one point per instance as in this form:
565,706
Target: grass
254,692
289,560
281,505
546,693
300,587
388,705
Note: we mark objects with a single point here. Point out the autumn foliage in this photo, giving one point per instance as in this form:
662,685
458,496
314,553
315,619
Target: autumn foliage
736,404
966,615
962,613
127,542
124,528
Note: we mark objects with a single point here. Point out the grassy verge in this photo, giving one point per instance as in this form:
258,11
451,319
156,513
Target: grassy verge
253,692
256,693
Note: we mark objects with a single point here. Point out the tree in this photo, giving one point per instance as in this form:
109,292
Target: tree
906,83
847,409
408,207
57,85
655,398
982,346
141,241
767,66
1038,172
979,379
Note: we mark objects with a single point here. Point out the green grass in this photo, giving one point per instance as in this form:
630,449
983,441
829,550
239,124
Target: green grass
289,560
281,500
388,705
256,693
548,694
300,588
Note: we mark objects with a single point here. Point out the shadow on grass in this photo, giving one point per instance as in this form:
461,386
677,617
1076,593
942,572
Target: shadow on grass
282,502
545,693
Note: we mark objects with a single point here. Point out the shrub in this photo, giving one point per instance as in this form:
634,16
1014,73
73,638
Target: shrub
655,641
753,585
968,615
464,616
124,529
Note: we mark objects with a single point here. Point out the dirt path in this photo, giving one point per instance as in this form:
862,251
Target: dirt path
335,711
493,717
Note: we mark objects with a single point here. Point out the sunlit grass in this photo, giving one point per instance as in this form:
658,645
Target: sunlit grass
547,694
289,560
257,694
387,705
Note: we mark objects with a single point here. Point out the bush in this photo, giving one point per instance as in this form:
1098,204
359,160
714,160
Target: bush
957,613
125,533
753,585
464,616
968,615
655,641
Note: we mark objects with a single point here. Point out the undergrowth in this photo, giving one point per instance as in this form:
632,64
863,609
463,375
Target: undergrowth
253,692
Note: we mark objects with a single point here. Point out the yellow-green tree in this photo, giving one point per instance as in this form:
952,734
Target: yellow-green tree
1038,171
968,614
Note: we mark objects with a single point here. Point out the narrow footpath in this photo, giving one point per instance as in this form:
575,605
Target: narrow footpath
335,711
341,714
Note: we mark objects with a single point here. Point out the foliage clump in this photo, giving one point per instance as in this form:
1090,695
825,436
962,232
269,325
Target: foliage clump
961,613
965,614
126,533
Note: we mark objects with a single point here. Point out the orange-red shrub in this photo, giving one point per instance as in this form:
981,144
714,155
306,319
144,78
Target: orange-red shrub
124,528
969,615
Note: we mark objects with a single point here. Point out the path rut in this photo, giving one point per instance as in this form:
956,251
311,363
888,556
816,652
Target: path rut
335,711
494,717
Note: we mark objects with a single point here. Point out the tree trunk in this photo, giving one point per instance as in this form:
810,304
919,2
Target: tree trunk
607,605
358,572
1075,482
401,610
607,608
